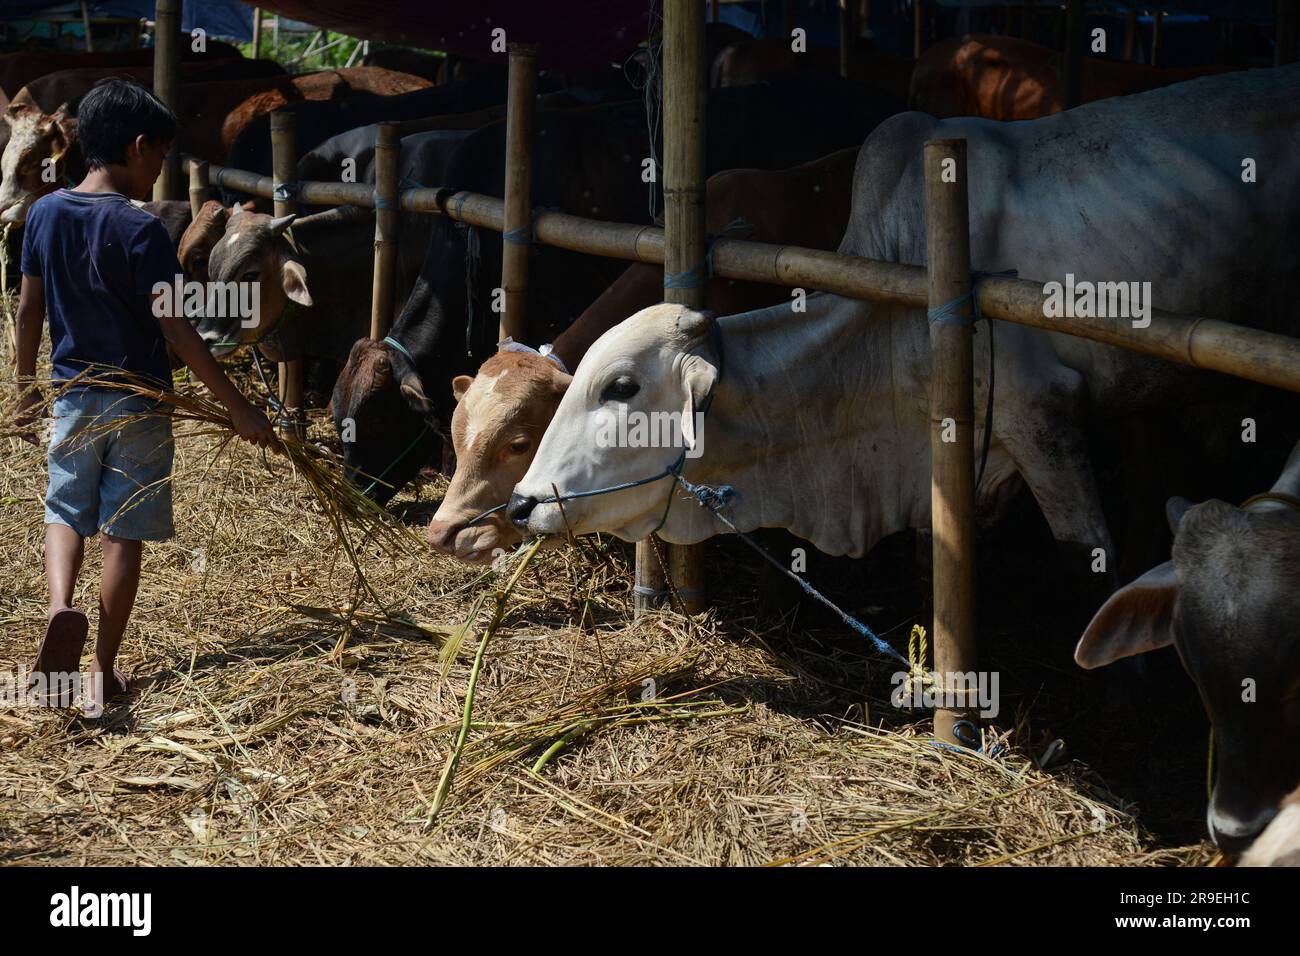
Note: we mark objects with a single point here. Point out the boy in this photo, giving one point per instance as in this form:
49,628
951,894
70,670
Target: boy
92,258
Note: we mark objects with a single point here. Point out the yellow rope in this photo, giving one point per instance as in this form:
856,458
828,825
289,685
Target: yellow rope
918,647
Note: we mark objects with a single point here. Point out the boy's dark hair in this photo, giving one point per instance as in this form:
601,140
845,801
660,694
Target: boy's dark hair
113,114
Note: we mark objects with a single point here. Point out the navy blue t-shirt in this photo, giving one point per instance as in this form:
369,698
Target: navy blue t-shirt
99,256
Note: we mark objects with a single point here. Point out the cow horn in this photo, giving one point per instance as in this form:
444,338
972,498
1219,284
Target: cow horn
280,224
235,210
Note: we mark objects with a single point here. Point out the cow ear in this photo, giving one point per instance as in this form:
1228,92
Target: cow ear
413,392
1175,508
699,378
66,123
1137,618
460,385
295,282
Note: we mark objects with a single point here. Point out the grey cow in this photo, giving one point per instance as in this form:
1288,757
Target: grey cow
1228,600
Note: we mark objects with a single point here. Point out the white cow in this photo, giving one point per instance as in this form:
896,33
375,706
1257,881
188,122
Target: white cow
821,420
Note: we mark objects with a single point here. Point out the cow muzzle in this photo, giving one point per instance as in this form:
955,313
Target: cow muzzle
1232,833
520,510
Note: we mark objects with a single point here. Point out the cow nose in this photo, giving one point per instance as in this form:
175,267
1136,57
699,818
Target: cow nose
442,536
519,509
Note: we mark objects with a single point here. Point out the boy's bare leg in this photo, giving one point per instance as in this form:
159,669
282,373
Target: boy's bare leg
59,656
64,550
117,588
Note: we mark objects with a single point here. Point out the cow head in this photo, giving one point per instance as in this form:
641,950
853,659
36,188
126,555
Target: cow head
384,419
1228,602
34,137
255,248
501,415
201,235
651,367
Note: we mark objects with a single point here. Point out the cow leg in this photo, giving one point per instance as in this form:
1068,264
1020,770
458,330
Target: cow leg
1039,424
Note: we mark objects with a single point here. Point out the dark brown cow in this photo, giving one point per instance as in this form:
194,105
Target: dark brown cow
748,62
19,69
66,87
502,412
212,115
325,85
1005,78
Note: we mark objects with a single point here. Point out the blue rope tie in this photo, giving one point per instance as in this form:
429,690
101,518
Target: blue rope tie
522,236
715,499
382,202
406,182
700,273
283,192
390,341
947,313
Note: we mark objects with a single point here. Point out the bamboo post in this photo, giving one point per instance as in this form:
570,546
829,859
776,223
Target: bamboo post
388,152
85,23
846,36
1130,33
198,186
284,171
166,67
684,241
257,32
1026,19
1284,41
1072,68
952,447
517,240
1157,37
918,28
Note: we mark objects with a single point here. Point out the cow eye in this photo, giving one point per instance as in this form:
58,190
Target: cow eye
249,276
520,445
620,390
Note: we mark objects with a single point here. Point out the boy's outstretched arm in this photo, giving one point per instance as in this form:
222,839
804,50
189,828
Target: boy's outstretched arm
248,420
31,320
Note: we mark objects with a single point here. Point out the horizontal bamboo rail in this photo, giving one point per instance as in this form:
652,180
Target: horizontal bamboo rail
1263,357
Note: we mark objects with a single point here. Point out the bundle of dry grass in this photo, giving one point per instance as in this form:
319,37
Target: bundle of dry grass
284,715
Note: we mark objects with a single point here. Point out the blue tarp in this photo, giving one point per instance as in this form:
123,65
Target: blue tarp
219,18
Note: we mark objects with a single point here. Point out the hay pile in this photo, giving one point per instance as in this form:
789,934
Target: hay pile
274,725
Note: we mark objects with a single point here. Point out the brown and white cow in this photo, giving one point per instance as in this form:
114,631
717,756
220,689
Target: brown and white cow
1006,78
502,412
1228,600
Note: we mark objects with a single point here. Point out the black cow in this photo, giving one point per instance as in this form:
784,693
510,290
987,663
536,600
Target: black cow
315,121
1227,600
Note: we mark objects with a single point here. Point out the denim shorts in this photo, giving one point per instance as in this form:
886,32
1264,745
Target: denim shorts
110,475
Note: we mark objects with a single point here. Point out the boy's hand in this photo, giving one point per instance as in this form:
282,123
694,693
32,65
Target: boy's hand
30,403
252,425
